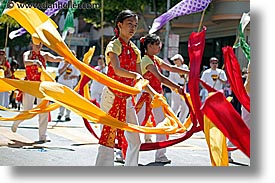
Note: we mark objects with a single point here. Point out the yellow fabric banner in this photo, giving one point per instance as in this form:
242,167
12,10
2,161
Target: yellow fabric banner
216,143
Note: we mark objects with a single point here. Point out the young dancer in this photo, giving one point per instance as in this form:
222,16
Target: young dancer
34,59
123,61
151,66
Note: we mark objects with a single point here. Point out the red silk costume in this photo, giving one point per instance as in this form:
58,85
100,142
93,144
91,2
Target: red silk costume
128,60
145,97
32,72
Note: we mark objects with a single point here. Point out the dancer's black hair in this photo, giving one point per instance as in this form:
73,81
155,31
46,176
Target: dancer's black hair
149,38
122,16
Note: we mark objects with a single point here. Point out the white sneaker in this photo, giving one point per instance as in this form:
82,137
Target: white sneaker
42,141
230,159
119,157
15,126
148,141
163,159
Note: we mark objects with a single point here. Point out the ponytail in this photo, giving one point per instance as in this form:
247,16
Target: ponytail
148,39
142,46
116,31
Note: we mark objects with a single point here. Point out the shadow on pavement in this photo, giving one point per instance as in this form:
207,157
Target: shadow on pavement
154,164
237,163
34,145
85,144
19,144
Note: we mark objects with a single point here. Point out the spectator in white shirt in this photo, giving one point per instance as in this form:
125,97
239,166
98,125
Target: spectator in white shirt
96,87
179,105
67,76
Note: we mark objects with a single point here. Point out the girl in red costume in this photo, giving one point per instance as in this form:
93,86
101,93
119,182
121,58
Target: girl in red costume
123,60
151,66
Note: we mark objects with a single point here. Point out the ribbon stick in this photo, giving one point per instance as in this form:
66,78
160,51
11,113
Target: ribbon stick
184,7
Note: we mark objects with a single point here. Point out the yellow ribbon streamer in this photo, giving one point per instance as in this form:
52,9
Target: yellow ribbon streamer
216,143
64,96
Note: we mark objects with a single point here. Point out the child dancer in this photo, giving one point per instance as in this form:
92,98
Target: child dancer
151,66
123,60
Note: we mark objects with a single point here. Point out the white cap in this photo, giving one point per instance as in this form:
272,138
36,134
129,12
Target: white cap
177,56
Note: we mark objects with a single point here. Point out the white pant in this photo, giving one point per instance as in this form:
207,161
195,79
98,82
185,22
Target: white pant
62,110
4,99
95,95
179,105
246,116
28,101
96,91
159,117
105,155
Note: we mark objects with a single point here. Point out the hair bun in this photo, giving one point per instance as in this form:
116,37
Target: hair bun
142,39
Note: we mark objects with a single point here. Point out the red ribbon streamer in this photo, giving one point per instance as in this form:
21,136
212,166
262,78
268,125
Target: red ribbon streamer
228,120
196,45
234,76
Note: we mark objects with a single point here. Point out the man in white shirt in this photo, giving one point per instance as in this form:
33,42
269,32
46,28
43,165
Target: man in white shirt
67,76
178,105
214,76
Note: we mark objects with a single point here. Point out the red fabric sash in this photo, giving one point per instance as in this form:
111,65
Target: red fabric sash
228,120
145,98
196,45
32,72
234,76
84,80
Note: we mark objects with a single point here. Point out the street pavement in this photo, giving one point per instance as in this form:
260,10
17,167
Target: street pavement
73,145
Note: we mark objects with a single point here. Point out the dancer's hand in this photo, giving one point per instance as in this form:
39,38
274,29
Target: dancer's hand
181,90
38,63
138,76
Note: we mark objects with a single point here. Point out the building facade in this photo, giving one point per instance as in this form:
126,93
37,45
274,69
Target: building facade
221,18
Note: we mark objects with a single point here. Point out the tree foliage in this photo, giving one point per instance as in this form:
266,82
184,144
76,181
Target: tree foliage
111,9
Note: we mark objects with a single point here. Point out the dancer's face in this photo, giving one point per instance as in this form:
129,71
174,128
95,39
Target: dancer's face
128,27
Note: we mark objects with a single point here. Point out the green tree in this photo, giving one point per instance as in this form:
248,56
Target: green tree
113,7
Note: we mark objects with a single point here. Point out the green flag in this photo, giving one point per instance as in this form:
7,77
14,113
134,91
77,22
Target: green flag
245,47
3,4
69,20
69,24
